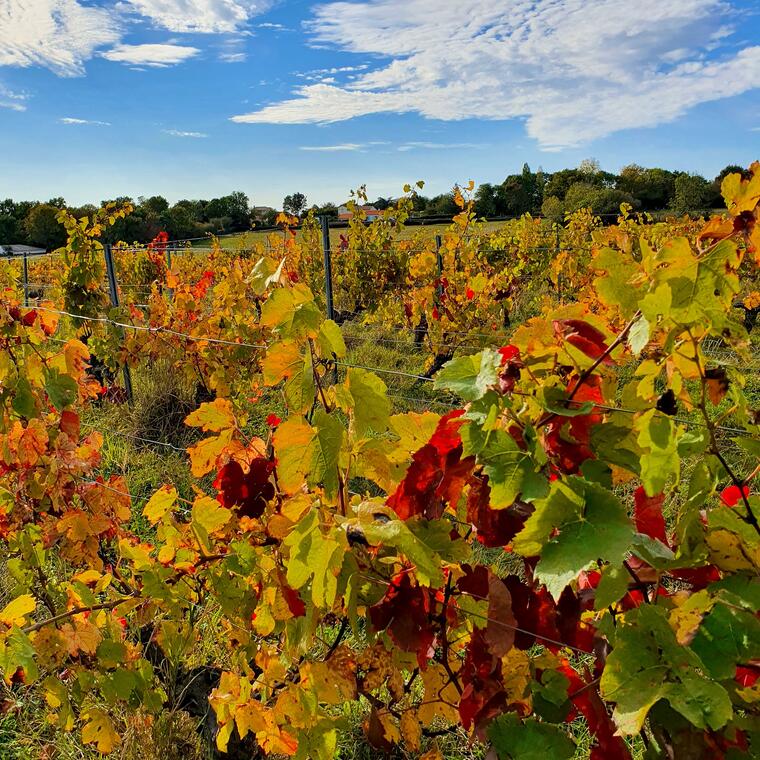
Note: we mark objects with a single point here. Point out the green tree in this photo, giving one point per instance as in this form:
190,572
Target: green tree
42,227
553,209
485,200
155,205
653,188
294,204
693,194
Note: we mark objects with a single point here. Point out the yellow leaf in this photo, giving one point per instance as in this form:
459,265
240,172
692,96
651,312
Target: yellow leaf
209,514
15,613
250,717
411,731
99,730
160,503
203,455
213,416
441,696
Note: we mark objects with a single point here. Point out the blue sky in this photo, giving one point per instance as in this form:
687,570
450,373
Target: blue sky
196,98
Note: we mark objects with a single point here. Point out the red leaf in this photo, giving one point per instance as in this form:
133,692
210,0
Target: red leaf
273,420
70,424
732,495
585,337
483,695
648,515
437,474
568,438
494,527
249,492
586,700
470,293
404,612
293,598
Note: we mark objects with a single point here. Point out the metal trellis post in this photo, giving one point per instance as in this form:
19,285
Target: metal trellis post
325,222
26,280
114,293
439,265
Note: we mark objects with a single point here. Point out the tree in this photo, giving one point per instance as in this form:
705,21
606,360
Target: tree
654,188
42,227
442,205
485,200
238,209
326,209
693,194
553,209
178,221
155,205
294,204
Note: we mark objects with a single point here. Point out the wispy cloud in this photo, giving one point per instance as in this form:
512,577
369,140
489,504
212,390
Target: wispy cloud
56,34
158,56
12,100
333,148
84,122
274,27
181,133
533,60
437,146
238,57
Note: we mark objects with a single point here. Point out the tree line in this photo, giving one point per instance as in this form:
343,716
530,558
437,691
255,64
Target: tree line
551,194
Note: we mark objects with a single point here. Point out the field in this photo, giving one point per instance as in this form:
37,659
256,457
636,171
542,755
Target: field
502,502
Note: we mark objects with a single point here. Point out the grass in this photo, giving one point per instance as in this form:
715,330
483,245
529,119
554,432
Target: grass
242,240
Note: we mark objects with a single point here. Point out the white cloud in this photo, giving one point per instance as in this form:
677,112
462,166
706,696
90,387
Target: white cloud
87,122
180,133
200,15
573,70
437,146
238,57
151,55
57,34
332,148
14,101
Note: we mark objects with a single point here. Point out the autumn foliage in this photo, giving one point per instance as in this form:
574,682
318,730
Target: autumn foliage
573,542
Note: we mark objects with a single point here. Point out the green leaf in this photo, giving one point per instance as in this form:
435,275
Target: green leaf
317,557
510,469
364,397
330,340
469,376
529,739
659,461
554,400
726,638
578,523
638,335
424,543
612,587
299,388
62,389
23,399
648,664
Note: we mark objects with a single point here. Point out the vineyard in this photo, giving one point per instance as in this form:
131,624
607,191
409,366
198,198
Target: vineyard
386,493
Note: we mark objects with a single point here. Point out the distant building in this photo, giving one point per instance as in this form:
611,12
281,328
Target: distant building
261,212
20,250
370,211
